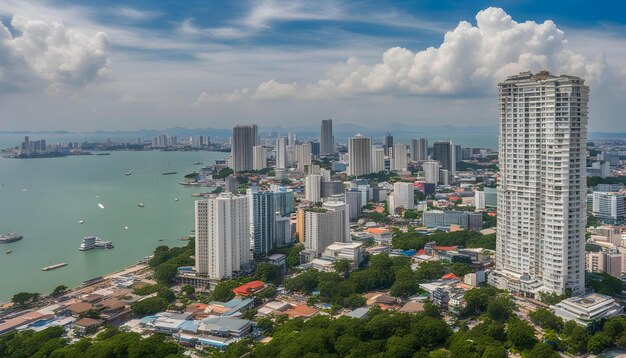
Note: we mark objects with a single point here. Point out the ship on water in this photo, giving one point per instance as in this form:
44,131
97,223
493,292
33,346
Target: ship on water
10,237
94,242
55,266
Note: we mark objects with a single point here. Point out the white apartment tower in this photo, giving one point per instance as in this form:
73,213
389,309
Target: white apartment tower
313,187
479,200
281,153
541,193
303,155
359,155
323,226
222,235
245,137
403,195
400,159
259,158
327,140
431,171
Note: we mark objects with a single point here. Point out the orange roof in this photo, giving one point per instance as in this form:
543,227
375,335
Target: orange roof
379,209
300,311
450,276
378,230
491,213
195,307
453,198
249,288
444,248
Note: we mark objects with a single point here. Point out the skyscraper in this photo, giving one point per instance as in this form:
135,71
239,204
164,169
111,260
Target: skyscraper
303,155
259,160
281,153
378,160
445,153
222,235
541,192
262,217
400,158
388,143
431,171
419,149
403,195
245,137
323,226
313,187
359,155
327,140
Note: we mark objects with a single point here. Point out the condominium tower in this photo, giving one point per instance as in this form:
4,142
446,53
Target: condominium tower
222,235
541,192
245,137
281,153
327,140
359,155
419,149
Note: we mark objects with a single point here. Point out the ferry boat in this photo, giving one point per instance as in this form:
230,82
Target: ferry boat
55,266
197,163
94,242
81,222
9,251
10,237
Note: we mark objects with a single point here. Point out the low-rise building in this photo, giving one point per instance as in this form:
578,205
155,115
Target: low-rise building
587,309
351,251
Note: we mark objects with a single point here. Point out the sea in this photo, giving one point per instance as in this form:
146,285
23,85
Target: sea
44,200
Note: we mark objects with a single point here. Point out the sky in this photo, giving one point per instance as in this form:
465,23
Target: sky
129,65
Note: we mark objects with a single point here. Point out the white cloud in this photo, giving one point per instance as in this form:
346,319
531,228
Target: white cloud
275,90
136,14
234,96
49,52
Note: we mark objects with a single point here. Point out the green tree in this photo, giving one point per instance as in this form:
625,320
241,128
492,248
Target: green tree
546,319
167,294
542,350
224,291
599,342
24,299
495,351
354,301
149,306
614,326
499,309
520,334
405,283
577,339
188,290
268,272
166,273
342,267
59,290
461,269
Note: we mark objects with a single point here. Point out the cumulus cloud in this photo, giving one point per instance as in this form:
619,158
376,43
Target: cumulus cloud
234,96
49,53
469,62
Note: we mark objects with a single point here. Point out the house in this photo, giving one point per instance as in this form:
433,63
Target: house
86,324
412,307
79,308
249,288
359,313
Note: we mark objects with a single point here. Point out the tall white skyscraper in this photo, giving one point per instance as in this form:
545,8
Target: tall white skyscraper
431,171
259,160
281,153
479,200
313,187
403,195
541,192
327,140
303,155
400,159
419,149
359,155
324,226
245,137
222,235
378,160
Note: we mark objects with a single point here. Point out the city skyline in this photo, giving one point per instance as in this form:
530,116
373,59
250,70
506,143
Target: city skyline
159,66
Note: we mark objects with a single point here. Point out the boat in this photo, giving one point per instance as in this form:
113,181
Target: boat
100,206
176,199
9,238
197,163
9,251
55,266
94,242
103,153
169,173
140,205
81,222
161,239
128,173
125,227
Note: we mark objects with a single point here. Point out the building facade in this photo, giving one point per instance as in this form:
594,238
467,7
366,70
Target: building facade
245,137
359,155
327,139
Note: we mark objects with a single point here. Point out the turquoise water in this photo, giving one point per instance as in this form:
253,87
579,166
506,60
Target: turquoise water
44,199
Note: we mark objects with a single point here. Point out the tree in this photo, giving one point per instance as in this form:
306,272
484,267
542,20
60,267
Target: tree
224,291
59,290
614,326
167,294
354,301
268,272
542,350
495,351
546,319
461,269
166,273
499,309
342,267
149,306
293,257
577,339
188,290
405,283
599,342
520,334
24,299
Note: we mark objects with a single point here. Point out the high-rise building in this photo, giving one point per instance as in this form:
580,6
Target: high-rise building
403,195
359,155
332,187
323,226
431,171
354,199
419,149
259,160
222,235
262,219
281,153
400,158
465,219
282,231
608,207
541,192
479,200
388,143
313,187
303,155
327,140
245,137
378,160
445,153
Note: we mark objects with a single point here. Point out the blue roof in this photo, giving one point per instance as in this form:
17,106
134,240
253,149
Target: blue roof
407,252
189,326
147,319
360,312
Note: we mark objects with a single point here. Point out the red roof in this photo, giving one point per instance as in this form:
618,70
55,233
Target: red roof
444,248
450,276
453,198
249,288
421,252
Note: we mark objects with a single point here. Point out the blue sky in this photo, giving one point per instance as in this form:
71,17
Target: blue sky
144,64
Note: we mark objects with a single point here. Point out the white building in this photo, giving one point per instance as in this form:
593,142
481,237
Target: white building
323,226
400,158
303,155
403,195
281,153
245,137
359,155
378,160
222,235
313,188
259,160
608,207
431,171
479,200
541,192
587,309
351,251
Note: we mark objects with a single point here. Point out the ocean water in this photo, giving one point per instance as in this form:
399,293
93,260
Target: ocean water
44,200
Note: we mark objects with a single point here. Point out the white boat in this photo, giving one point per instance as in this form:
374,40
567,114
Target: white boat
9,251
81,222
125,227
128,173
176,199
94,242
100,206
140,205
